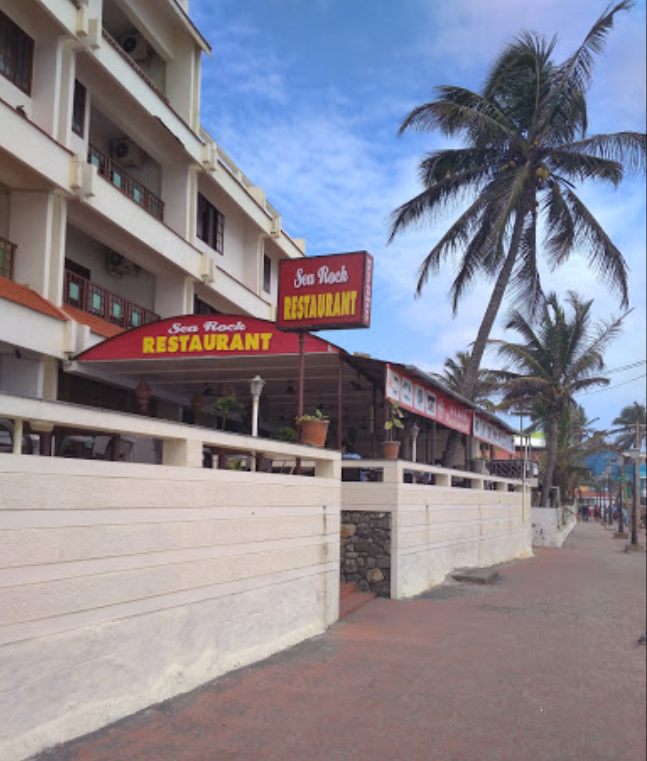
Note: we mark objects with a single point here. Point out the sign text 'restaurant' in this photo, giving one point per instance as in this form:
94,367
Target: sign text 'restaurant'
325,292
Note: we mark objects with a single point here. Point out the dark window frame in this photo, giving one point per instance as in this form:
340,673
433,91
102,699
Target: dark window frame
201,307
210,225
267,274
16,54
78,108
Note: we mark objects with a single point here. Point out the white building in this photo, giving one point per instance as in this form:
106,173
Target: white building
116,207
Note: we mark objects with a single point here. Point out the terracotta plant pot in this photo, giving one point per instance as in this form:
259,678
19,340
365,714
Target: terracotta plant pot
314,432
390,450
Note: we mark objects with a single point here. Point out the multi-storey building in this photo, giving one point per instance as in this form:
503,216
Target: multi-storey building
116,206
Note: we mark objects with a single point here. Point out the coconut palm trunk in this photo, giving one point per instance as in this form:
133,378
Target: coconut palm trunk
476,357
551,459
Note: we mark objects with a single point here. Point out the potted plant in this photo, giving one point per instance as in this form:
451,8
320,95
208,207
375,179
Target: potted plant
391,447
225,406
314,429
287,434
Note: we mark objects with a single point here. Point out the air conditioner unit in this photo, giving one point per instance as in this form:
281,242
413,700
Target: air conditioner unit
118,266
137,47
127,153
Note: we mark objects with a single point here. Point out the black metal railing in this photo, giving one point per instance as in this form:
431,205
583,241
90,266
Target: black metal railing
119,177
96,300
7,251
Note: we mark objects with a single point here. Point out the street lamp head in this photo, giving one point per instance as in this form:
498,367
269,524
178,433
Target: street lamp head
415,430
256,386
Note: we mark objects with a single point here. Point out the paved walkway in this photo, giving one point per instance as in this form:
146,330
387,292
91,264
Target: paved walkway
542,667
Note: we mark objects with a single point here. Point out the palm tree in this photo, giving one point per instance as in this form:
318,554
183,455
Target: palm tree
555,360
454,372
526,144
625,425
577,440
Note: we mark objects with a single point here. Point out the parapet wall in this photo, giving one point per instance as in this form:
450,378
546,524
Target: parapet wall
438,526
122,585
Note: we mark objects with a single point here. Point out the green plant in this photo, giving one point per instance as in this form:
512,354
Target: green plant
287,434
225,406
318,416
394,419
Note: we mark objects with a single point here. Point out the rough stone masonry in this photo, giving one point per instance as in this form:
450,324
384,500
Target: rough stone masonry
366,551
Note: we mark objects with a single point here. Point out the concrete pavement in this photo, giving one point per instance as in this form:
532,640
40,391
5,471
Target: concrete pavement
541,667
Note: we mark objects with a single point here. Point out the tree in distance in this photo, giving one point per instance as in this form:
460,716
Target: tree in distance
556,358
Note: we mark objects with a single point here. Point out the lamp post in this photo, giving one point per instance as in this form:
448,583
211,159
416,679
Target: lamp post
256,386
414,442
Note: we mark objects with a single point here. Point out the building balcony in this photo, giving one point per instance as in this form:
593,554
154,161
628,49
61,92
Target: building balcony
117,176
7,252
95,300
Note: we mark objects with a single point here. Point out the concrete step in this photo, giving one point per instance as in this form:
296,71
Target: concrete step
353,602
346,589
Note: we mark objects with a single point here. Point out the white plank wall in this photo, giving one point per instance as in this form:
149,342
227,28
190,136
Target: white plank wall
123,585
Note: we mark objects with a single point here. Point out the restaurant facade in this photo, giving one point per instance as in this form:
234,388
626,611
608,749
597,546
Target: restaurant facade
161,523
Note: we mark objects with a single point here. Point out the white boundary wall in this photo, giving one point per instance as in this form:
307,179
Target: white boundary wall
548,527
437,529
122,584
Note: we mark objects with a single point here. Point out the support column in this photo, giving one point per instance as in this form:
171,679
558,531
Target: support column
17,436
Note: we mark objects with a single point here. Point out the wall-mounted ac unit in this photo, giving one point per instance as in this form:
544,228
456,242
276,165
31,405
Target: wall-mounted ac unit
275,227
127,153
118,266
137,47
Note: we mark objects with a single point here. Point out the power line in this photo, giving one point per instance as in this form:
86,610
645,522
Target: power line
626,367
617,385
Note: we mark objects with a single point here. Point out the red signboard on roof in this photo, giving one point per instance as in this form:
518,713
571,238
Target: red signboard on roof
203,336
326,292
427,402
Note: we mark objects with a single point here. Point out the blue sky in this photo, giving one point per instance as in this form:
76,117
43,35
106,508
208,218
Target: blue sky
307,96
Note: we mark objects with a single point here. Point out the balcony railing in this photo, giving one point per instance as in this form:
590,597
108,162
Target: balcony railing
118,176
93,299
7,251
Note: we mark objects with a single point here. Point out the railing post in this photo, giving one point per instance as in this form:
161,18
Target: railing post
328,469
501,486
182,453
478,483
17,436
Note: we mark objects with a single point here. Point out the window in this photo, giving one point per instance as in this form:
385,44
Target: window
16,54
267,274
201,307
78,109
211,225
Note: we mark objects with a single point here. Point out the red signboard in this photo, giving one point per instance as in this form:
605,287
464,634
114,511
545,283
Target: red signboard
326,292
427,402
203,336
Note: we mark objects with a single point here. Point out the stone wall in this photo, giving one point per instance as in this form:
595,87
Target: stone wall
366,551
